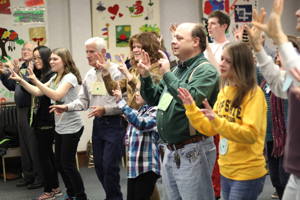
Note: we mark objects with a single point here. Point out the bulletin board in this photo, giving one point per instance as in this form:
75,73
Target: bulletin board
21,21
116,21
240,11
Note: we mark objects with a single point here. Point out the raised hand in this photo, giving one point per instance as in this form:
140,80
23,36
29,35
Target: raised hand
273,28
97,111
238,33
164,63
117,93
208,111
172,29
144,64
31,75
185,96
122,67
58,109
254,33
14,76
101,62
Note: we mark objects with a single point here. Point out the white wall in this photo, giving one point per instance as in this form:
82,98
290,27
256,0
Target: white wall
69,25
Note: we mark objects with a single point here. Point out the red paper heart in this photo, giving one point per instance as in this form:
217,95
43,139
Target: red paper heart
112,17
120,15
113,9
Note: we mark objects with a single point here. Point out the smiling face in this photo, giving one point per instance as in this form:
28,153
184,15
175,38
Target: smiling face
56,63
137,50
26,51
38,62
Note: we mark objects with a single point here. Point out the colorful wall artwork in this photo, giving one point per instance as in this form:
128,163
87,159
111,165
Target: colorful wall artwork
38,35
116,21
29,15
240,11
8,39
5,7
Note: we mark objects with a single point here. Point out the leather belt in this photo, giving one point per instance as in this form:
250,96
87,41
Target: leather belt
198,138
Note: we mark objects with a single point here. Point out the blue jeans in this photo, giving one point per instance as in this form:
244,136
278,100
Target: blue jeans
107,138
241,190
192,180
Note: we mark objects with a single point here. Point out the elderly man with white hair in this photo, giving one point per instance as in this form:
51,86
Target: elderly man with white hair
108,129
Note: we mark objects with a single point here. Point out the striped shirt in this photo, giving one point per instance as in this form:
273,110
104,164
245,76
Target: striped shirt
143,155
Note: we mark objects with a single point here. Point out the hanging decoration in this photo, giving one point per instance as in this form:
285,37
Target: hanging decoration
114,11
100,6
31,3
105,34
137,9
123,33
38,35
29,15
5,7
116,21
150,28
11,38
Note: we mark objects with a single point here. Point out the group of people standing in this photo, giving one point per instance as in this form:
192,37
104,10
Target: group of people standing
154,108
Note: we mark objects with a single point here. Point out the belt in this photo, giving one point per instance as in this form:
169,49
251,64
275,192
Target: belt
198,138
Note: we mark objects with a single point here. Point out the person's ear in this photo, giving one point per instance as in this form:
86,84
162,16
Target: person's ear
196,42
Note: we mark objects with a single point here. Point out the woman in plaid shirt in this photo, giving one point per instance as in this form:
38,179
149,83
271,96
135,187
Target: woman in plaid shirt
143,155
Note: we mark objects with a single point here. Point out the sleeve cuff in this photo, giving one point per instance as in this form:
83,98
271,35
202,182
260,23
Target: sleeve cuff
121,103
262,57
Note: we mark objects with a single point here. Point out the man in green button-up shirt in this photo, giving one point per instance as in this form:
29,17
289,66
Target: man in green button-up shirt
187,166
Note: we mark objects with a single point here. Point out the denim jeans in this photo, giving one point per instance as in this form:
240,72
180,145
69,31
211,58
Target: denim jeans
241,190
292,189
192,179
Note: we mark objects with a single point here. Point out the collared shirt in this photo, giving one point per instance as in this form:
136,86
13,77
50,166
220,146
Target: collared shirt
200,79
86,99
143,155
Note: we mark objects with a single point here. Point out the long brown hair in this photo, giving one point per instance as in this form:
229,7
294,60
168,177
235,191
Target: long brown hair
150,44
243,70
69,64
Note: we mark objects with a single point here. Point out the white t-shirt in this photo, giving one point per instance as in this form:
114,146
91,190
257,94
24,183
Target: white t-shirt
67,122
216,49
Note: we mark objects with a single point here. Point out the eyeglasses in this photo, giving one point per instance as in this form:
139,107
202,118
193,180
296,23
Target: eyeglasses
26,49
37,58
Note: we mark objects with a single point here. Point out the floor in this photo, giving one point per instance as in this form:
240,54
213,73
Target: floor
8,190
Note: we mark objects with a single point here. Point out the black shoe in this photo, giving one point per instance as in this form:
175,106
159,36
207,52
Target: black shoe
34,186
23,183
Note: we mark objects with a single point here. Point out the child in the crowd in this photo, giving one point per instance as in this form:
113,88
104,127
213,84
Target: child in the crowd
239,117
143,155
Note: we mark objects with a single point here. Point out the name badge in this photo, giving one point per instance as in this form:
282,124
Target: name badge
165,101
223,146
98,88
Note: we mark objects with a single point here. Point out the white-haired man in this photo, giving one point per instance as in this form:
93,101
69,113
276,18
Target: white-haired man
108,129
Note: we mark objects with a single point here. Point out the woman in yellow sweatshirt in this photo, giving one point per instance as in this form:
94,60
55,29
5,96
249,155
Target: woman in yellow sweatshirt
239,117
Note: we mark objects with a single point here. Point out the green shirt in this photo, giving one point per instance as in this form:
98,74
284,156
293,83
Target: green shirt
201,81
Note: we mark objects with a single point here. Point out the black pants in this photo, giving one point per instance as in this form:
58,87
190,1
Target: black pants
65,152
31,167
141,187
45,146
279,177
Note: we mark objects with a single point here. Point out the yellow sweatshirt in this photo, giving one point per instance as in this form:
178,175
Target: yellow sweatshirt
242,132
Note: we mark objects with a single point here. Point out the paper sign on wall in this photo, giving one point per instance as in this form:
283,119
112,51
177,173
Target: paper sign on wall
38,35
